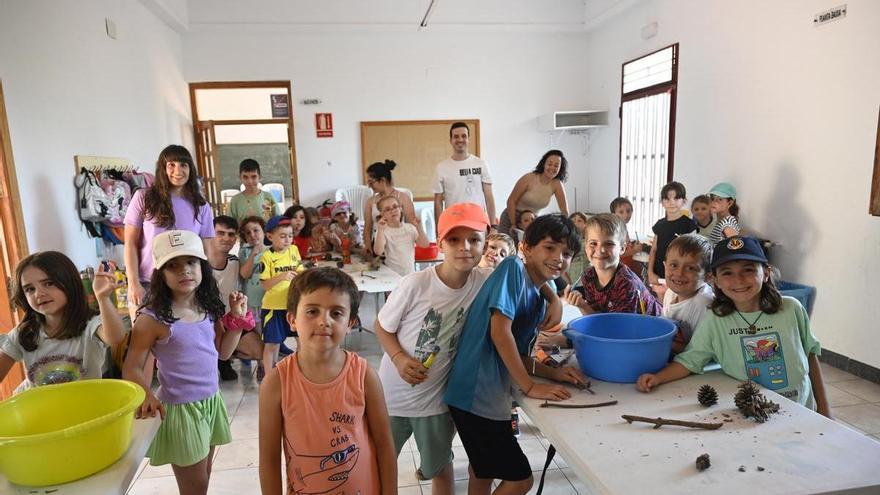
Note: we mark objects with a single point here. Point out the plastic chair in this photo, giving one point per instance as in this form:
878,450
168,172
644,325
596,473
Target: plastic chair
276,190
426,217
355,195
227,194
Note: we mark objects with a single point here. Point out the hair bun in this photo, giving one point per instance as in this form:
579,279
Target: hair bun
389,164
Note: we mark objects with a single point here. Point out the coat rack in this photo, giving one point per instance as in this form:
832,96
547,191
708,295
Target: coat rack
100,163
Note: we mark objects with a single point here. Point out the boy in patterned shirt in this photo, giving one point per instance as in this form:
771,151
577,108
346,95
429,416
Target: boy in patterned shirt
609,286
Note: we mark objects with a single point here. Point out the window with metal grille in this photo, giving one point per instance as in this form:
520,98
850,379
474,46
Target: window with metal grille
647,134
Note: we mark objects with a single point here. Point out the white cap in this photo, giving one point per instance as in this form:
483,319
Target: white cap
173,243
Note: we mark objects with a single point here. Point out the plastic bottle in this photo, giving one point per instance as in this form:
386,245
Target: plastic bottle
87,277
346,250
121,290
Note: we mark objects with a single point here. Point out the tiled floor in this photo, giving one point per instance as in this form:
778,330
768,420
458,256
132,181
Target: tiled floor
856,404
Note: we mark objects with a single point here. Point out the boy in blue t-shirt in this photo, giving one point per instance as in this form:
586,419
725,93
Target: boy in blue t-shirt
494,352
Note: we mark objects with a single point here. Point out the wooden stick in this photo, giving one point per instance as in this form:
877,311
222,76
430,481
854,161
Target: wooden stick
577,406
658,422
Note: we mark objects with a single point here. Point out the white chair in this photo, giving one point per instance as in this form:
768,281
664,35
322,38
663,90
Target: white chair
356,196
276,190
426,216
227,194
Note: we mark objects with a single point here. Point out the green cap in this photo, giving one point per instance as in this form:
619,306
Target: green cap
723,190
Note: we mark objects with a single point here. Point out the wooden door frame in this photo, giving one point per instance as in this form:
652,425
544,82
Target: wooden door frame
291,144
13,230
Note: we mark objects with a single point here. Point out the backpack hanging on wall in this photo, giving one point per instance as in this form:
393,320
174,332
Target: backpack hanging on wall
118,196
92,201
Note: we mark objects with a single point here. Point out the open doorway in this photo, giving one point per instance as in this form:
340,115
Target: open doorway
13,243
238,120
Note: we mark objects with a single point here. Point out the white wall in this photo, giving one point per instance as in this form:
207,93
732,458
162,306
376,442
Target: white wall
505,80
788,113
71,90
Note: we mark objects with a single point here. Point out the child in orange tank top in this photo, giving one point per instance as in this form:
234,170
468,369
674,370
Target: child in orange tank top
324,406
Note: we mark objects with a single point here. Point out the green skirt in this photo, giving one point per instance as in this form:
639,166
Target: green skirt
188,432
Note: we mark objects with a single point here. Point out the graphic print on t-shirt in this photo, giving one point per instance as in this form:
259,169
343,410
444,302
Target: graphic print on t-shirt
56,368
764,361
432,333
322,473
470,173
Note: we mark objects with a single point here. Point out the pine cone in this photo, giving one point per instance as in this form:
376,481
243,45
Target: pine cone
707,395
703,462
752,403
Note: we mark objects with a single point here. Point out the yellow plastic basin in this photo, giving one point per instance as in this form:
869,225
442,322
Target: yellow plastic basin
59,433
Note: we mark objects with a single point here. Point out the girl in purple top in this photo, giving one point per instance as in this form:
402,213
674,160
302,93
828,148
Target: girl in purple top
174,201
181,324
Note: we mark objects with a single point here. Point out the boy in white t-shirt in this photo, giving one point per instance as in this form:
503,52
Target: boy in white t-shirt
419,328
687,261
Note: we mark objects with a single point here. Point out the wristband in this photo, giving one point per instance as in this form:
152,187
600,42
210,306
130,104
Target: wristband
395,355
530,388
232,322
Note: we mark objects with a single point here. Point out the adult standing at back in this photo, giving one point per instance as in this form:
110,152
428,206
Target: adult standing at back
463,177
173,202
380,181
533,190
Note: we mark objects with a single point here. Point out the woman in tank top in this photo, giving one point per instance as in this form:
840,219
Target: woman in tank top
534,190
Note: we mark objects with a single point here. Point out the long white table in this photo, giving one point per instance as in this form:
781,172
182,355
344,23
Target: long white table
371,281
112,480
797,450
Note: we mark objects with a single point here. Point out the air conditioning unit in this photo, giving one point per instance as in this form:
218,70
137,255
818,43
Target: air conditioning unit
583,119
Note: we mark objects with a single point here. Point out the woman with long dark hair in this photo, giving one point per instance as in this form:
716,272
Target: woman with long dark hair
173,202
533,190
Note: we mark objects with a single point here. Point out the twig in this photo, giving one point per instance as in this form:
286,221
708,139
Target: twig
584,386
577,406
658,422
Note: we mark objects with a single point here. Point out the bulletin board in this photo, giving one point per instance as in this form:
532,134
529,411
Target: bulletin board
417,146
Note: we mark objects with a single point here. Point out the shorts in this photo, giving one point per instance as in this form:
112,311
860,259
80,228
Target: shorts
433,438
491,447
275,325
188,432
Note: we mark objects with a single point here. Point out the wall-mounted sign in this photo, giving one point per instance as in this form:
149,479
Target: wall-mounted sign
324,124
829,15
280,106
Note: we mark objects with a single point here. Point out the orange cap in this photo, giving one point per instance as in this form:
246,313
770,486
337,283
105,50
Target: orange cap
467,215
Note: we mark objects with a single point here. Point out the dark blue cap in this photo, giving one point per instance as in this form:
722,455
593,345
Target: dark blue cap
738,248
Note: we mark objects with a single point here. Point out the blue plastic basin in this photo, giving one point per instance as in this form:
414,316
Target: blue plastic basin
618,347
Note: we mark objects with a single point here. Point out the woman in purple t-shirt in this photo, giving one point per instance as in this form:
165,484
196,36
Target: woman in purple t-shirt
173,202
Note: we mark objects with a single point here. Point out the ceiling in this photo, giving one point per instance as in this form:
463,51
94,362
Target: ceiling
390,15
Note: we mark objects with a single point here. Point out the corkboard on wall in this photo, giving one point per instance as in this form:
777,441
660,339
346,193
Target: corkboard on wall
417,146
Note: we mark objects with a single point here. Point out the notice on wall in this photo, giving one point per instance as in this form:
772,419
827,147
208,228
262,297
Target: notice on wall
324,125
280,106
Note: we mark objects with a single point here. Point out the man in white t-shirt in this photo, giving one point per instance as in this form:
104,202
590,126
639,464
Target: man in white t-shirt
463,178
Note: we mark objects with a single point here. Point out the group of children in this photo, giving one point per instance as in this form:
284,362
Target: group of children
457,336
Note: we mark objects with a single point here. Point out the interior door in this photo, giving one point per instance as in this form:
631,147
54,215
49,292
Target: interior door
12,244
207,166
